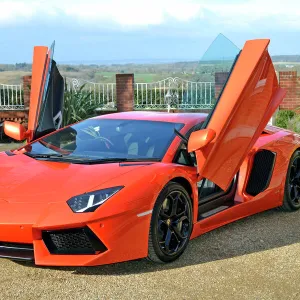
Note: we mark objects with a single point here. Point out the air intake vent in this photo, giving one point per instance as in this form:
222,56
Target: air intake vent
73,241
261,172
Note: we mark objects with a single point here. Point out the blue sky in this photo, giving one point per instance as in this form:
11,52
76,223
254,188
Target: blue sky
130,30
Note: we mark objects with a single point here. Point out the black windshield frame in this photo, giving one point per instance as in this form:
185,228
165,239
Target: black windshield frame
165,136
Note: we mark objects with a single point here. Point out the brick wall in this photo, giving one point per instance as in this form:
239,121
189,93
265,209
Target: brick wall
288,80
125,92
20,116
291,83
26,90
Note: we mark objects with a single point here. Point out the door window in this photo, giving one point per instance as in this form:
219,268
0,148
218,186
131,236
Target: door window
183,157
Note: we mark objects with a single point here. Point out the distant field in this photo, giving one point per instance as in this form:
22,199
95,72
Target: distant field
12,77
286,63
12,74
138,77
142,72
145,77
15,77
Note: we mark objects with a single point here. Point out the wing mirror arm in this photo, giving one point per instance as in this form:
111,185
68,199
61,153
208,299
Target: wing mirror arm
200,139
181,136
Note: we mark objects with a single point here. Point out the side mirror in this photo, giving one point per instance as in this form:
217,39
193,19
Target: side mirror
15,130
200,139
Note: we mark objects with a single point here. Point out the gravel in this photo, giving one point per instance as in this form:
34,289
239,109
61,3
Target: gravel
254,258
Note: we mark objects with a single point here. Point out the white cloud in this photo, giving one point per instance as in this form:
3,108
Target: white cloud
11,11
129,12
246,12
232,13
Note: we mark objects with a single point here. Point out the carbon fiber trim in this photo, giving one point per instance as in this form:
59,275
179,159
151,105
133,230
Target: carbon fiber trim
16,251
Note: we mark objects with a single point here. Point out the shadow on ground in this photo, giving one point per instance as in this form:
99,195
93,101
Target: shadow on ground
264,231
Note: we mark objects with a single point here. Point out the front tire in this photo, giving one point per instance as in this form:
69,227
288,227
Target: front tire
171,224
291,200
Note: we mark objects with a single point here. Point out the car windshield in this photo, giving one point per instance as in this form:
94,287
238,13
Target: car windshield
106,140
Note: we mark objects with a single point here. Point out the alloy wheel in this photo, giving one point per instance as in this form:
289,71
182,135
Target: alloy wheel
294,182
174,223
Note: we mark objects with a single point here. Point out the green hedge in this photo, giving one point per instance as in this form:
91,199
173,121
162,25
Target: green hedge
97,97
294,124
283,117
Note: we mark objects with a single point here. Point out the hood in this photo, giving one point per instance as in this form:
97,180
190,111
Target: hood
24,179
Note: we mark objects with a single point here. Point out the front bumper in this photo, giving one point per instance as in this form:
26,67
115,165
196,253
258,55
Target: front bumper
124,236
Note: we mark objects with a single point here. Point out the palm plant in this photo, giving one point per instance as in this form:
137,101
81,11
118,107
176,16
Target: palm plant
77,106
294,124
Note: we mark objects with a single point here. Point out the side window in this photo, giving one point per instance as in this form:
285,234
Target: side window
183,157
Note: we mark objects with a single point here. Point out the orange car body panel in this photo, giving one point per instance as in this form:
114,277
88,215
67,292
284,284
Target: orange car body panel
34,193
38,76
283,143
39,70
247,103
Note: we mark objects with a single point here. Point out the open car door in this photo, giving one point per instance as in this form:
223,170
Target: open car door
246,104
46,95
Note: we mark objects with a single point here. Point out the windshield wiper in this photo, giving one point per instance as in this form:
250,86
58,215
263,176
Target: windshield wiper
53,155
110,160
86,160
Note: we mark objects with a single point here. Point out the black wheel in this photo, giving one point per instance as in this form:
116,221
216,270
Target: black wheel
291,200
171,224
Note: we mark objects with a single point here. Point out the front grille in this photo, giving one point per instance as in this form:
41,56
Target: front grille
73,241
16,251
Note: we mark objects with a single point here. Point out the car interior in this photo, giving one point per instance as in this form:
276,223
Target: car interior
211,198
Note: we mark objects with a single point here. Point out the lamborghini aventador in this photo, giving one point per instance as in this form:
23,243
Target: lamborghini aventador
134,185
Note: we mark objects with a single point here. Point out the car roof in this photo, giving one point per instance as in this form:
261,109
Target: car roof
157,116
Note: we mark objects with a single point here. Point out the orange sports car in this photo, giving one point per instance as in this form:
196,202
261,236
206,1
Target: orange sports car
134,185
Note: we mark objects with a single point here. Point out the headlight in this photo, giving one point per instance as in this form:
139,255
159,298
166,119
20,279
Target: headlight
89,202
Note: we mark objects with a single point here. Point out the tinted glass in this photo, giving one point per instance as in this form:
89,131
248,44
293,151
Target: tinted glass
214,69
105,139
51,109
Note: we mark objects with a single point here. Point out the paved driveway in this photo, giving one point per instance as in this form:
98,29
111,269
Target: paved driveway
255,258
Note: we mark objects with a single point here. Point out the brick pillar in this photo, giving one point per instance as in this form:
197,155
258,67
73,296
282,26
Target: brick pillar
291,83
125,92
26,89
26,93
220,80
